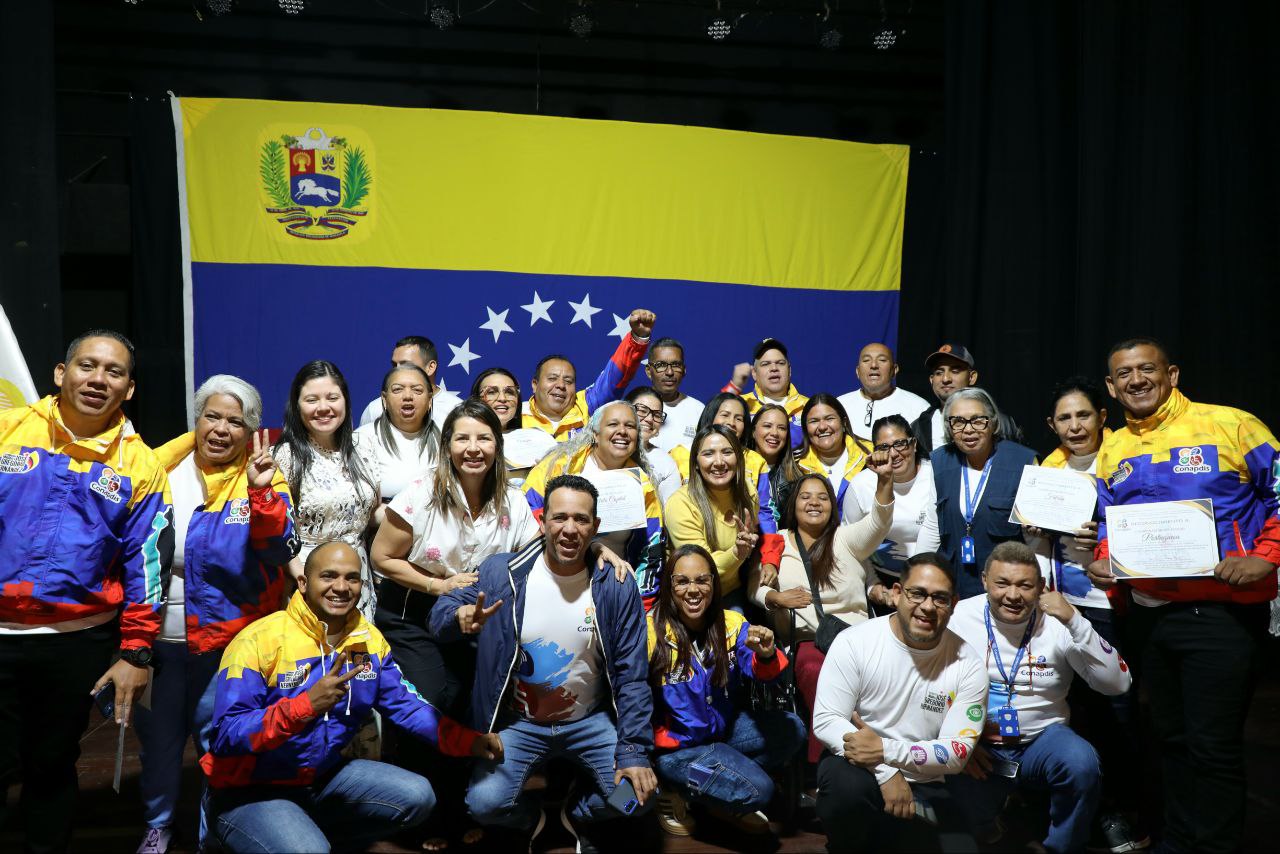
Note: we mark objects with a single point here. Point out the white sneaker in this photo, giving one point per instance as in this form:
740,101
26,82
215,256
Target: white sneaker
756,823
673,815
156,841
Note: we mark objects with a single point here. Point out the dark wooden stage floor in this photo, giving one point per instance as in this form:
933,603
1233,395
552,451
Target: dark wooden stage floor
107,822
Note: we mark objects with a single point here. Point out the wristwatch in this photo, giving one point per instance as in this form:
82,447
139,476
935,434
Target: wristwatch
139,657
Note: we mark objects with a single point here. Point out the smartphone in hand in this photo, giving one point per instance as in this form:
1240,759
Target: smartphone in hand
105,700
624,798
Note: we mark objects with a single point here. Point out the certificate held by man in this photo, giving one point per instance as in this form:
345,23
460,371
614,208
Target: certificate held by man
621,503
1054,499
1166,539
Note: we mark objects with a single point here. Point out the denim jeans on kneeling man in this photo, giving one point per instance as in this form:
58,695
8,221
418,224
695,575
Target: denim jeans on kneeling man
495,796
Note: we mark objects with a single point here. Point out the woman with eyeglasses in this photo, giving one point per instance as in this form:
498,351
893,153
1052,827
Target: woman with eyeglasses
913,498
975,475
829,447
651,417
498,389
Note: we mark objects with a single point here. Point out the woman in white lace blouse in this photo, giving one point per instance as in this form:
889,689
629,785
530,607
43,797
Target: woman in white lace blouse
332,477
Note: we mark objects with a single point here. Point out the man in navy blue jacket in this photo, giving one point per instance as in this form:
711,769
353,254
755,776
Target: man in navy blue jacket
561,671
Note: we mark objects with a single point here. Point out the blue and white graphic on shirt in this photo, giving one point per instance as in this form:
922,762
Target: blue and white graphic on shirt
559,673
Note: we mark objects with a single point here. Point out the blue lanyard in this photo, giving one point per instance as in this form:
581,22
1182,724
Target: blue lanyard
1017,656
969,504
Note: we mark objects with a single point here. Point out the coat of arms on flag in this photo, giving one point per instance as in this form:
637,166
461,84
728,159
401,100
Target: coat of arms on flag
316,185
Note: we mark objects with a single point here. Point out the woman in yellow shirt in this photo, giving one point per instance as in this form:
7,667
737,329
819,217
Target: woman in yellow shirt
717,509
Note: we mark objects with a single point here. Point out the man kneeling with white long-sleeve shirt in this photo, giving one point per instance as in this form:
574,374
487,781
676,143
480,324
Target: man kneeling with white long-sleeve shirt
898,702
1035,642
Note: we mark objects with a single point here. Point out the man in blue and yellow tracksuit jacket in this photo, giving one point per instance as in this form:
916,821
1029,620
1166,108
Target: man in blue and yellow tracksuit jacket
293,689
86,539
1195,642
237,548
559,409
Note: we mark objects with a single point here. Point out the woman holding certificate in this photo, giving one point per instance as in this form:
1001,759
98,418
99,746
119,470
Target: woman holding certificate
1078,419
610,444
976,475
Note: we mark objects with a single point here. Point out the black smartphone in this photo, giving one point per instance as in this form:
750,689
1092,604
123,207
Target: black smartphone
624,798
105,700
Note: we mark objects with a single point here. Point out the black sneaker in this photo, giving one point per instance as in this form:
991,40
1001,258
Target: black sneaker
1114,833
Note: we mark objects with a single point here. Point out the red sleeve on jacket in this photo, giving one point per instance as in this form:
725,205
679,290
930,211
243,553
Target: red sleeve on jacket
1267,544
771,546
456,739
769,669
281,721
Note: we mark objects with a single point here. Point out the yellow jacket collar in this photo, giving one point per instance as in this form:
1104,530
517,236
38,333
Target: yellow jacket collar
1169,410
118,430
794,403
1058,459
216,479
305,618
810,461
574,416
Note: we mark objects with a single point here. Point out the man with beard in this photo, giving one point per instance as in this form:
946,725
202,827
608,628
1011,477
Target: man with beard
878,395
951,367
899,703
1035,644
561,671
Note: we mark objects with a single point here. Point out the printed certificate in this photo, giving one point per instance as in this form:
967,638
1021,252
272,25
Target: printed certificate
524,446
1054,499
621,504
1168,539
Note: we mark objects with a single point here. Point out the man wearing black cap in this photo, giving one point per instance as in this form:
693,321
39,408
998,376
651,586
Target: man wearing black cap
951,368
771,370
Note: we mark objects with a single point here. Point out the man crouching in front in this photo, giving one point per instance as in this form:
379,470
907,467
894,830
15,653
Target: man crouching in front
292,691
562,672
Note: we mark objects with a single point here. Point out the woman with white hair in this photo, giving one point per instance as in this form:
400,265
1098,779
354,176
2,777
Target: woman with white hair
610,442
975,475
233,540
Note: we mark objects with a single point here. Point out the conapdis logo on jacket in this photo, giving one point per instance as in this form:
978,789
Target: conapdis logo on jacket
238,512
1192,461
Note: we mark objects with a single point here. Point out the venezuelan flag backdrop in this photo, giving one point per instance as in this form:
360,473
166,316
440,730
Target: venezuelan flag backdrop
329,231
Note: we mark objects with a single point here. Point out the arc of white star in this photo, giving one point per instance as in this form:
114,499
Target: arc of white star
538,309
463,355
621,326
583,311
497,323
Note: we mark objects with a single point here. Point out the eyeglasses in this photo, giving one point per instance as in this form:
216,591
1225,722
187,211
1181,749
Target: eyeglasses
978,423
495,392
916,596
899,445
643,411
680,582
870,404
663,367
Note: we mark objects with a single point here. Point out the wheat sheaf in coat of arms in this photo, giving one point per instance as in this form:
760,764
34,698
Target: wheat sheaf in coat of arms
317,185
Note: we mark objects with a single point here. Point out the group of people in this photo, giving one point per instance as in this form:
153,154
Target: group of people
823,582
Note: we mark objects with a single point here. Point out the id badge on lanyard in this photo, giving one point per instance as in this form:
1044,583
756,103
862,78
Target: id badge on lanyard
1004,716
968,553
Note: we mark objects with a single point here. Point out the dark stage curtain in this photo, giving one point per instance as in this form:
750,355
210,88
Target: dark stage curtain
1110,171
159,408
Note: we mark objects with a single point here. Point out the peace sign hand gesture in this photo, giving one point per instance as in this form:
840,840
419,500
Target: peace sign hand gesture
333,686
747,538
471,618
261,467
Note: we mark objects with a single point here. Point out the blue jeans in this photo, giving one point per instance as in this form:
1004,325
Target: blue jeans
733,774
1057,760
182,694
495,797
363,802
